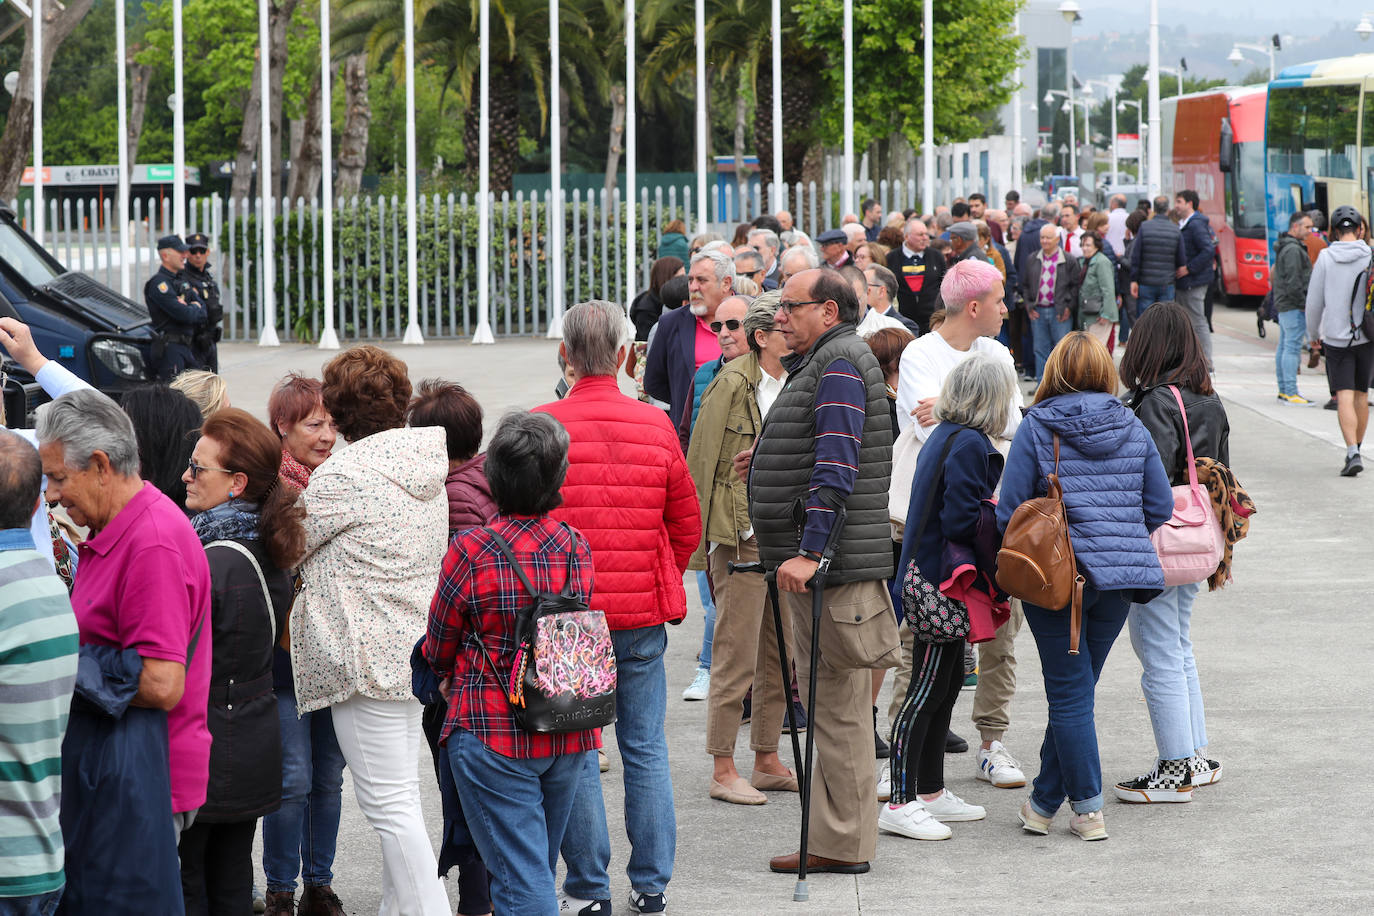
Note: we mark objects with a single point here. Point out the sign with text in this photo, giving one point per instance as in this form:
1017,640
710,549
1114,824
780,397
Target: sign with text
96,175
1128,146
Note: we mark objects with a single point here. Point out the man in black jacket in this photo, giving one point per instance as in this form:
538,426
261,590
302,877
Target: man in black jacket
1156,257
1290,276
177,313
197,271
1200,252
918,269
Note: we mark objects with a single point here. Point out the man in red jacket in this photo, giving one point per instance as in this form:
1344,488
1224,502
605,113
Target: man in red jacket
629,493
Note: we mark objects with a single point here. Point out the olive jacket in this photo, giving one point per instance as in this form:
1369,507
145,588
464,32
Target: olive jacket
727,424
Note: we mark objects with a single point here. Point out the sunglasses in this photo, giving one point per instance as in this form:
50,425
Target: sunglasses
731,324
196,250
195,469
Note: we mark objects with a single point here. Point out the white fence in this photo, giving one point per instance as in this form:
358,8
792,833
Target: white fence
371,292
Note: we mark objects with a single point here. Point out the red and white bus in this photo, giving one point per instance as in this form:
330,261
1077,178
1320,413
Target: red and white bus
1213,142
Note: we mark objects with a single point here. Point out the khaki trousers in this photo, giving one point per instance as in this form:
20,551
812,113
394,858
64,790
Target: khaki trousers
858,634
744,651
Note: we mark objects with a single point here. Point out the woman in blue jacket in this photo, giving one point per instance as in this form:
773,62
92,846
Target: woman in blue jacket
1116,492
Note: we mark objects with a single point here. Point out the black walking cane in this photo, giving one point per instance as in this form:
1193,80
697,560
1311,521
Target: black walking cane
771,579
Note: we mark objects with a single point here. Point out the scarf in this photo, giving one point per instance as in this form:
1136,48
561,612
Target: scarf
1233,507
293,472
235,520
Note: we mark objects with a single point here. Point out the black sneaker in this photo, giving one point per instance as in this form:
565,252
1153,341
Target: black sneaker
647,903
879,745
1169,781
1329,405
571,906
1353,465
954,744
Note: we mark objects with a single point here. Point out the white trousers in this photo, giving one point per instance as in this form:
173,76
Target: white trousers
380,740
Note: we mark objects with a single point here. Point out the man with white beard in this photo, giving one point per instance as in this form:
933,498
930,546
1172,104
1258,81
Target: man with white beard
684,342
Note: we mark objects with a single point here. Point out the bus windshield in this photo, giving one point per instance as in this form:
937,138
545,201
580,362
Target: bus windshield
1311,130
1246,189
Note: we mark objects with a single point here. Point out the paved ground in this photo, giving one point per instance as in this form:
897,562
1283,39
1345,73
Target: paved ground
1284,655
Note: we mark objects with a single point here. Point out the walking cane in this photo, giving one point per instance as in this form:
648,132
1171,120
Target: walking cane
771,579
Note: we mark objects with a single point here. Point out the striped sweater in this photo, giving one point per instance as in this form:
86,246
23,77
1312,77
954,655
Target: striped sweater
38,655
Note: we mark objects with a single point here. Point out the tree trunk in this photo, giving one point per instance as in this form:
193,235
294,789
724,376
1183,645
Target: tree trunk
279,21
17,141
741,177
140,75
503,129
247,151
353,140
279,17
615,145
305,159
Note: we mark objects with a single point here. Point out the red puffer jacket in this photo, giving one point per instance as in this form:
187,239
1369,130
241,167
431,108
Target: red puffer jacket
628,491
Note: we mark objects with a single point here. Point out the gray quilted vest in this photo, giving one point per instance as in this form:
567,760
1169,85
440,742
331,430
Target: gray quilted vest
785,455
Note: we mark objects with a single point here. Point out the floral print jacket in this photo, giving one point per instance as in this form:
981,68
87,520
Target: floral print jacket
376,532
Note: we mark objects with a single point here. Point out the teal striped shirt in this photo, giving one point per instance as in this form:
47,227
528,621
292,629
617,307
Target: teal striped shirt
38,654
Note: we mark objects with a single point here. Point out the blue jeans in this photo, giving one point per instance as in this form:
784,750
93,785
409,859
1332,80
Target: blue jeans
33,905
1160,635
1292,332
1149,295
709,634
1047,330
517,810
641,702
299,837
1069,763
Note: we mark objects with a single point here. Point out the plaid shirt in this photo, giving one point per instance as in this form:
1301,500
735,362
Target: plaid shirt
477,584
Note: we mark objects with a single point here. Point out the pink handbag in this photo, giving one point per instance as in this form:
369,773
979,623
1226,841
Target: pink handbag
1190,544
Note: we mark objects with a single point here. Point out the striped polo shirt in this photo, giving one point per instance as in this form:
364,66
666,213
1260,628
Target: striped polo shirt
38,654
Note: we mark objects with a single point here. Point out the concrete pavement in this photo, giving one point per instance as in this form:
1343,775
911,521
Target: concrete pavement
1284,655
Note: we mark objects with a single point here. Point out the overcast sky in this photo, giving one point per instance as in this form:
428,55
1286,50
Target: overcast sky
1219,15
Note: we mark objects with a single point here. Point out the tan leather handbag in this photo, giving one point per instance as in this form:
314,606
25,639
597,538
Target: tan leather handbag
1036,562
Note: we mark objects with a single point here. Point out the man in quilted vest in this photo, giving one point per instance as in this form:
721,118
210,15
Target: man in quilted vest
629,494
827,444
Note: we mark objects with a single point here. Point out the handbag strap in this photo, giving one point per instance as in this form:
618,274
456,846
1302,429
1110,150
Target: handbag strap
519,571
1187,438
934,488
262,580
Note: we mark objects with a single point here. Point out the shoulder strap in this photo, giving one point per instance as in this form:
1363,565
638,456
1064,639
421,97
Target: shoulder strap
1187,437
510,558
935,487
572,555
1052,488
262,580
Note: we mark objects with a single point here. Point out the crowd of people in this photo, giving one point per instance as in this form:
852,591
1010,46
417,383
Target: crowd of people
257,606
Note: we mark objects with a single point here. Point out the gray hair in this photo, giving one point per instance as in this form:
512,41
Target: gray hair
85,422
770,238
977,393
752,256
761,315
1050,211
724,263
745,288
806,253
527,461
593,332
704,239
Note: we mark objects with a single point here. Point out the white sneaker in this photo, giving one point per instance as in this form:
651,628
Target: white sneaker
997,766
700,688
912,820
884,782
950,807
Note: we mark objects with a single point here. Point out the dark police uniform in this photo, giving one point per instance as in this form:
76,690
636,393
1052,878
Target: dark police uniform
177,317
207,291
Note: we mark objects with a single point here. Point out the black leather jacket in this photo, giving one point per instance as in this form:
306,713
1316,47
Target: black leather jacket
1208,427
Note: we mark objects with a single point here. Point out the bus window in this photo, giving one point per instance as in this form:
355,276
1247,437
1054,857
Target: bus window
1246,185
1311,130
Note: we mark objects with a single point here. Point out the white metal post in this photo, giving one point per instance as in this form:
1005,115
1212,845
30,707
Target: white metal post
1116,176
847,185
1018,137
779,185
1073,115
928,110
702,217
1153,76
329,338
555,208
483,333
122,125
266,222
179,125
38,120
631,282
413,335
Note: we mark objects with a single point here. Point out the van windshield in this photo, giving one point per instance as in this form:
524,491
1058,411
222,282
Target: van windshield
21,254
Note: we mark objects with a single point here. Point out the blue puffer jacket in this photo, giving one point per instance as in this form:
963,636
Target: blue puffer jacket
1115,487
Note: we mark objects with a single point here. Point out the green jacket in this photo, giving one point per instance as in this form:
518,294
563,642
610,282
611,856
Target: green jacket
1098,287
1291,273
727,424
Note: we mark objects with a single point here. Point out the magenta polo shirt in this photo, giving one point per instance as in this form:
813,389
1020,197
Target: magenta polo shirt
142,583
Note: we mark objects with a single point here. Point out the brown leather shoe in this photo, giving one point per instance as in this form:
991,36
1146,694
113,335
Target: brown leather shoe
280,903
320,901
788,865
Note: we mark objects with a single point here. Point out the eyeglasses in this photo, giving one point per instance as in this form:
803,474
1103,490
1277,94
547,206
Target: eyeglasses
732,324
790,307
195,469
196,251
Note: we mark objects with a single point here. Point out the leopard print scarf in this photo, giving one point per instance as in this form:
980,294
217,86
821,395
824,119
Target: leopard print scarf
1233,507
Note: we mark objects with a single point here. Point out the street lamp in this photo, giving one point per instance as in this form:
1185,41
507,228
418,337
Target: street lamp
1365,28
1235,57
1178,72
1111,87
1141,131
1069,10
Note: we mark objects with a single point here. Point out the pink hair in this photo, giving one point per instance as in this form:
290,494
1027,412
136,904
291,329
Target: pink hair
966,281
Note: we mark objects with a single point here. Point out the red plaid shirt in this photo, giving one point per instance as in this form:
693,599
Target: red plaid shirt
478,584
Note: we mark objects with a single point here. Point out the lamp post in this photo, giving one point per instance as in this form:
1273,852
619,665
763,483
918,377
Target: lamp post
1153,78
928,108
1364,28
1070,107
1069,10
1176,72
779,186
1018,140
122,125
702,217
1111,87
1235,57
267,335
329,337
847,187
555,207
413,336
1140,130
179,126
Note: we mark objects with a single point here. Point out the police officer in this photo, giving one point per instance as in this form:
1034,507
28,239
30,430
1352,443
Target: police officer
177,313
207,291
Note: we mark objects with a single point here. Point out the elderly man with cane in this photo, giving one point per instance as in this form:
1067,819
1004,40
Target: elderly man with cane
818,476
